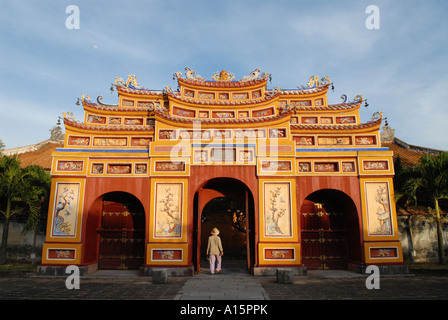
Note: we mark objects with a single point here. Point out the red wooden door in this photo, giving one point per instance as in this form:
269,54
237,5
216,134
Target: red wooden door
122,237
323,238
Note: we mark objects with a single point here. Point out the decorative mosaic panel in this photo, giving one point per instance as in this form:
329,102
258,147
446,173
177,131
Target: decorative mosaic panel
168,210
309,120
326,120
133,121
115,120
240,96
141,168
275,165
170,166
250,134
263,112
300,103
378,208
223,96
78,141
345,120
383,252
167,134
119,168
222,134
145,104
243,114
332,141
348,166
326,167
167,254
128,103
246,155
65,214
110,142
304,166
189,93
279,254
375,165
223,114
200,156
277,209
319,102
184,112
69,165
277,133
256,94
140,142
97,168
304,140
194,134
92,118
206,95
61,254
365,140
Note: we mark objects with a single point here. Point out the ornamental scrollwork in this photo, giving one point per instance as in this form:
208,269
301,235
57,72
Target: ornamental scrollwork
223,76
314,82
377,116
131,82
190,74
255,75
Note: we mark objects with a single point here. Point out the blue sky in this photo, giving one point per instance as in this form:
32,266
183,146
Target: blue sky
401,68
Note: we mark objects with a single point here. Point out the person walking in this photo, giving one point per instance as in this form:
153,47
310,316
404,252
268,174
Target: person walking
215,252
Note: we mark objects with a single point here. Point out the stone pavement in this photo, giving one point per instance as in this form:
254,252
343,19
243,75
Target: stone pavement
233,284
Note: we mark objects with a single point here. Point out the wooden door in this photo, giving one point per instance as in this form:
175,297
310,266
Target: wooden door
324,237
122,237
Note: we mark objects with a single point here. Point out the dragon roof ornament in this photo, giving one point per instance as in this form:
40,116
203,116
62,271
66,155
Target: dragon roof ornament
315,82
131,83
357,99
221,76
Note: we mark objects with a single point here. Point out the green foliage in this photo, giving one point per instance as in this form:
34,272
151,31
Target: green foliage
427,183
22,191
25,189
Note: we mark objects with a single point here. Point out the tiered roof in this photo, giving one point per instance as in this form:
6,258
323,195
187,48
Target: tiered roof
222,101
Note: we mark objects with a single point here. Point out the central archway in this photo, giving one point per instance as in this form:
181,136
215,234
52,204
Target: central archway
227,204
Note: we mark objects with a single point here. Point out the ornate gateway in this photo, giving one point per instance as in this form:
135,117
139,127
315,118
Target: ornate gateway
294,181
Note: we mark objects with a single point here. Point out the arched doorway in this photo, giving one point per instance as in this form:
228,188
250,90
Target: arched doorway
228,205
122,232
229,216
329,230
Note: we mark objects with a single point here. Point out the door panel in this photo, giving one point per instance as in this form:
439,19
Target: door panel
323,238
122,236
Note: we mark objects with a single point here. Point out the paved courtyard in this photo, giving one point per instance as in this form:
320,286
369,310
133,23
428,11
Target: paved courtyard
222,295
232,284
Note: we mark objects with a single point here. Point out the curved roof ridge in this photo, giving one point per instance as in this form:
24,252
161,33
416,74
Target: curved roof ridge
223,120
267,97
341,127
118,128
116,107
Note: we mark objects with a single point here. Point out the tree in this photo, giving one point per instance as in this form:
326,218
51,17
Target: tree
22,190
431,181
35,198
